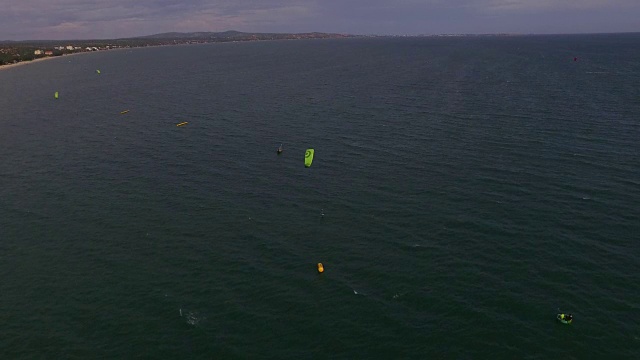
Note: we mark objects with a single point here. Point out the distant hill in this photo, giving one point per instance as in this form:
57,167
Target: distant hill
232,35
200,36
194,35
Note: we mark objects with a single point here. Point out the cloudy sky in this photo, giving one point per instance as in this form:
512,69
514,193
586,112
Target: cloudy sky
96,19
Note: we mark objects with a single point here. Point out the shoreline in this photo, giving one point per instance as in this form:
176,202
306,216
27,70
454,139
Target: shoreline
22,63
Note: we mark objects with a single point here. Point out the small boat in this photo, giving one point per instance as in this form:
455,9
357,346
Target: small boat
565,318
55,95
124,112
280,149
182,124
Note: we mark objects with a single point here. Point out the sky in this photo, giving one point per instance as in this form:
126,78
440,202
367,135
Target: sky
108,19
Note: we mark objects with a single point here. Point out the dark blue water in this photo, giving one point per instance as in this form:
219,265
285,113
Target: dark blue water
471,188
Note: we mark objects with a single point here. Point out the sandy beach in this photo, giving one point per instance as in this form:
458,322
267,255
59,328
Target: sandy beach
8,66
21,63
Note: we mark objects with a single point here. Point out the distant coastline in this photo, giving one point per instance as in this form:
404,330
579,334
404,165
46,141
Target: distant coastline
13,53
7,66
27,62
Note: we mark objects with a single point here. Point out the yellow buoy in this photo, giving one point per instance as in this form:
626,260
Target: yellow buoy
320,268
182,124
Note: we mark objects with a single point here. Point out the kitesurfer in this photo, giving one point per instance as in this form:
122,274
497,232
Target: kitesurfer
565,318
308,157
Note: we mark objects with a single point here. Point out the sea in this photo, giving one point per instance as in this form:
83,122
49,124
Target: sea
464,191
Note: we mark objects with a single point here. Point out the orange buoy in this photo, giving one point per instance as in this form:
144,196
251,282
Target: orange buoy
320,268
